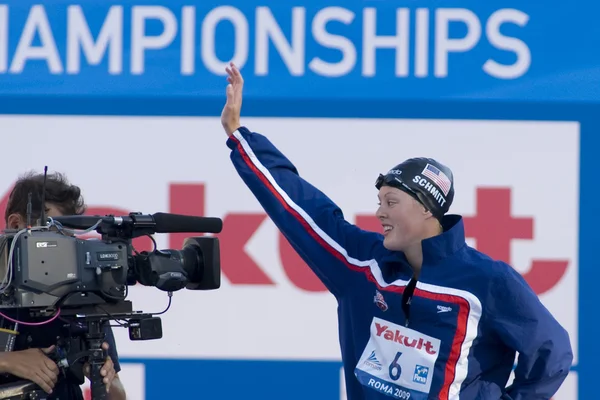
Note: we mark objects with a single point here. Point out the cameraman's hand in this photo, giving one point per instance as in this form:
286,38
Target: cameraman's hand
230,116
107,371
33,365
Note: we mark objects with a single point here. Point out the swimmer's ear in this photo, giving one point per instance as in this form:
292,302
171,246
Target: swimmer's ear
424,211
428,215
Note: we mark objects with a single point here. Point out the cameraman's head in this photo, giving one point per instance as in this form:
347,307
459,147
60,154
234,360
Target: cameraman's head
62,198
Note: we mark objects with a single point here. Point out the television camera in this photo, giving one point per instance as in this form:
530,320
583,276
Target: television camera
49,272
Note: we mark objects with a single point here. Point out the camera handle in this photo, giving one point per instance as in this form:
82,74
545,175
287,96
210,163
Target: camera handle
94,354
96,358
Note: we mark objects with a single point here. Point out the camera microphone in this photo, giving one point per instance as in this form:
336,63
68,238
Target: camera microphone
175,223
157,222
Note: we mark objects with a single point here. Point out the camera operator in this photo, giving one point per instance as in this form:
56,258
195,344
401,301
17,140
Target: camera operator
29,360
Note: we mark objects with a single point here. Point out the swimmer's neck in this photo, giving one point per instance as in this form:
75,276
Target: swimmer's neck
414,256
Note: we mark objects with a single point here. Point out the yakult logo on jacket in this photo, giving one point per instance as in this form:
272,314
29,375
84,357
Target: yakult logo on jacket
397,336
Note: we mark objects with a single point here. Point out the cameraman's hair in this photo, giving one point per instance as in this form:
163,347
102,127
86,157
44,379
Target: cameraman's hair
66,197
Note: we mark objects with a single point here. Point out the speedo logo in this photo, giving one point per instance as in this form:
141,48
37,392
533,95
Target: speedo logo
398,337
442,309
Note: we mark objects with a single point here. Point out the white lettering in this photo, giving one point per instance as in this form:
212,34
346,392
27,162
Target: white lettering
345,45
437,195
331,39
209,25
78,35
267,28
37,22
434,191
498,40
422,43
399,42
188,40
383,387
386,388
445,45
140,42
3,38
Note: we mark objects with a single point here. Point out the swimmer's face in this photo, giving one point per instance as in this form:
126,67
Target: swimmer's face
403,218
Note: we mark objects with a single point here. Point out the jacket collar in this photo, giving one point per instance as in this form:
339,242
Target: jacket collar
435,249
452,239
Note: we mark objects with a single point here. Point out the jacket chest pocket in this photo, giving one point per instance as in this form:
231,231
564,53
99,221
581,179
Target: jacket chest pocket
434,317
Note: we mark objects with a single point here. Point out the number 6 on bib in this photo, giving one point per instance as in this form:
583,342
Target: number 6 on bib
398,361
395,368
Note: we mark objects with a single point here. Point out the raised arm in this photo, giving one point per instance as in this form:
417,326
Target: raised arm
313,224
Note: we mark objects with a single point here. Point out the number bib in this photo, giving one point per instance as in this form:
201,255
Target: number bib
398,361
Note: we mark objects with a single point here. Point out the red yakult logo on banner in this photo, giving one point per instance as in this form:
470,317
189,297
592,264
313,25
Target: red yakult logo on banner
492,226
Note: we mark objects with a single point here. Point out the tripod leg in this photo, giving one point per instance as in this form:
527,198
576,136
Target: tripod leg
95,338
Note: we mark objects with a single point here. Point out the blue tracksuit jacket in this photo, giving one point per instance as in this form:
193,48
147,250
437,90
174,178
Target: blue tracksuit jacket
468,316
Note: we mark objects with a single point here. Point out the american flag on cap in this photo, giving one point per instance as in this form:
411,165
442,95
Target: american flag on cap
438,177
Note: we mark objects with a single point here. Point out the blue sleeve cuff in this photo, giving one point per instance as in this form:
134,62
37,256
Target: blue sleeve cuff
232,142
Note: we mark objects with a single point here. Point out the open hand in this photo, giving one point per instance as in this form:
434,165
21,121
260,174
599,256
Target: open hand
108,370
33,365
230,117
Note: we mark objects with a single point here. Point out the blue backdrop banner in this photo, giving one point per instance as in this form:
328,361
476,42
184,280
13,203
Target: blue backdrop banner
533,51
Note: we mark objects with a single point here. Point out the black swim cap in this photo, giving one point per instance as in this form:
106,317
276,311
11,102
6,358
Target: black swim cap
428,181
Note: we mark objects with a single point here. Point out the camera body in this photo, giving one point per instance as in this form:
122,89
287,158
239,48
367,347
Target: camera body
49,266
52,270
